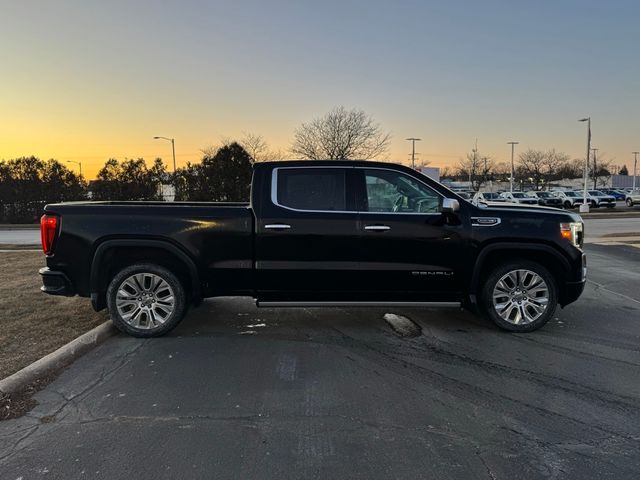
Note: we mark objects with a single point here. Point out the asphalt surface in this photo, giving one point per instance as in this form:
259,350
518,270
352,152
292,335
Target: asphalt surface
20,236
240,392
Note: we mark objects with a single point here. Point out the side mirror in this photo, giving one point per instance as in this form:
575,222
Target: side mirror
450,205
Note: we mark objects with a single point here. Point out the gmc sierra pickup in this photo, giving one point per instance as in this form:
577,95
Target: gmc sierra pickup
316,233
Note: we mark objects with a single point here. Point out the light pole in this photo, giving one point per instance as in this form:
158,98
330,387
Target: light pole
173,149
595,175
585,206
77,163
513,144
635,165
413,150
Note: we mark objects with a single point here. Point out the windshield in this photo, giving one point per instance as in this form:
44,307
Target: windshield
544,194
490,195
596,193
571,194
519,195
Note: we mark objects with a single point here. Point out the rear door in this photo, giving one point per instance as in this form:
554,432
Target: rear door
409,250
307,235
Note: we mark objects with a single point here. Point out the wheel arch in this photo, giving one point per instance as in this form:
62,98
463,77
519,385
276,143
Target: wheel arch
502,252
110,256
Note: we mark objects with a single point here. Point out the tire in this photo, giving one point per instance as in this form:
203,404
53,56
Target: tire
155,304
568,205
629,202
594,204
528,315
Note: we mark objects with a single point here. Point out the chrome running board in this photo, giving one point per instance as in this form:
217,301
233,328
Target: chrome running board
359,304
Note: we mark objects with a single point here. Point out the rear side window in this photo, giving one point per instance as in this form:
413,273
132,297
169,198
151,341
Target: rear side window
311,188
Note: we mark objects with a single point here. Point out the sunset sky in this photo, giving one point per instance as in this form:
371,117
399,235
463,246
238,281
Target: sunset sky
87,80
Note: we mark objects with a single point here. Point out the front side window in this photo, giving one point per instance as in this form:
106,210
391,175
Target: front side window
391,191
311,188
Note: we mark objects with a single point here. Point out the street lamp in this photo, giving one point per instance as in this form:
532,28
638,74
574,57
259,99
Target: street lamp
77,163
513,144
173,149
413,150
585,206
635,165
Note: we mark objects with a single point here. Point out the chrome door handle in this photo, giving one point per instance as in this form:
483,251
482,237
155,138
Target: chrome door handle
277,226
377,228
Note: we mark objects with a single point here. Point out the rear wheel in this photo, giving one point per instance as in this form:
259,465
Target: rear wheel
629,202
520,296
568,205
594,204
146,300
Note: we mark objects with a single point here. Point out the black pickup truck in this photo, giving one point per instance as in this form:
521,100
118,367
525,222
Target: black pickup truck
316,233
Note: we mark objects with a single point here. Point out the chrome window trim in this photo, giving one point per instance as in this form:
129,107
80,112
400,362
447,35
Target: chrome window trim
274,191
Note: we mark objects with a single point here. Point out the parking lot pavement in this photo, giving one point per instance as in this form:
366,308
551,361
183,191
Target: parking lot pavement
240,392
599,229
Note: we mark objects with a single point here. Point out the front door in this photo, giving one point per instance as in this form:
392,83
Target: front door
409,250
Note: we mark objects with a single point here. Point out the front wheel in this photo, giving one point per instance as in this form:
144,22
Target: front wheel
520,296
629,202
568,205
146,300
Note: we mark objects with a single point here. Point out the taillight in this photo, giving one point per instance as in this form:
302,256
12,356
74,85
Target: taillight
48,231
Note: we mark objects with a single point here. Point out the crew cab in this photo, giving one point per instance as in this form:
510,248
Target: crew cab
316,233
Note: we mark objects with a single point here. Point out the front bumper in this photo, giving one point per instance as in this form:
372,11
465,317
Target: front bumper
55,283
572,290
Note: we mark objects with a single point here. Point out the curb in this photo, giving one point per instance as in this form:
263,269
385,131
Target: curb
62,356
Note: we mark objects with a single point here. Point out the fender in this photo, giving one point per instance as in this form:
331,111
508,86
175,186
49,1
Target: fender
475,277
94,279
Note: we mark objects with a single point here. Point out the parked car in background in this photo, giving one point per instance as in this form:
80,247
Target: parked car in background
598,199
619,195
632,198
546,199
570,199
465,195
519,197
487,197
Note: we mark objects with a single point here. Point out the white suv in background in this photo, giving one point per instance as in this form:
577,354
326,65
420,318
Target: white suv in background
570,199
632,198
599,199
484,197
519,197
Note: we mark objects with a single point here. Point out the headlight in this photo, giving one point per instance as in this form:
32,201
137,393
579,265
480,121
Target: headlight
574,232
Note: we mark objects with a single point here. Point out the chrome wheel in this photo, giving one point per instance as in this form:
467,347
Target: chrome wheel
145,301
520,297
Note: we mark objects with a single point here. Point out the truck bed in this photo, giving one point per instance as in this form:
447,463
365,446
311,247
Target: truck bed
213,235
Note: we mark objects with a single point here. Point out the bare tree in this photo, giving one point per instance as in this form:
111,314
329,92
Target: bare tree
532,167
554,161
341,134
476,168
599,170
259,149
